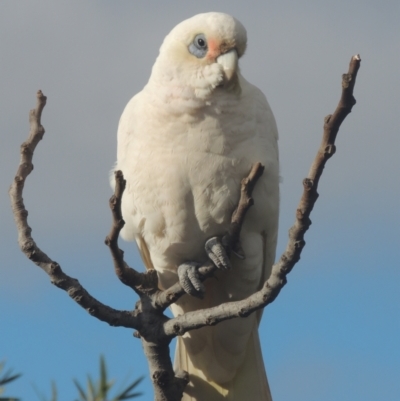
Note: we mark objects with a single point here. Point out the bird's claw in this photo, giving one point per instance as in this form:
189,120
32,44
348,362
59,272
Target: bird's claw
189,279
188,271
217,253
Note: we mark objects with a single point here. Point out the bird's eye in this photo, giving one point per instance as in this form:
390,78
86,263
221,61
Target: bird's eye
199,46
201,42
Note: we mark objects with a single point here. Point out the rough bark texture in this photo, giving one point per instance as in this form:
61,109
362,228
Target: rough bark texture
155,329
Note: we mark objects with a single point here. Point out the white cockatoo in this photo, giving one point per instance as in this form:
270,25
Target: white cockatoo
184,144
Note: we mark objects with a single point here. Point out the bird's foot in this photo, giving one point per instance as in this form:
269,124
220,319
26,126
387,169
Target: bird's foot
188,271
189,279
217,253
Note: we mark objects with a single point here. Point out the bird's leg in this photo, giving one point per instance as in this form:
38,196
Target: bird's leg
189,279
216,251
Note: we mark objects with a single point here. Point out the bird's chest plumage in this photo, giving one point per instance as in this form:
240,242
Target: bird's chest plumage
183,179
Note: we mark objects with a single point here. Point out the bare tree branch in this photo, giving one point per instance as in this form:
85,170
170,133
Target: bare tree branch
154,328
33,252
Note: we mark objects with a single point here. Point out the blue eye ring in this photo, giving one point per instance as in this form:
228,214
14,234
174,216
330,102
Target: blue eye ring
199,46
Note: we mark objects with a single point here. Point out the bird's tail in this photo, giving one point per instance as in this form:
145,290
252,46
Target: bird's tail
249,382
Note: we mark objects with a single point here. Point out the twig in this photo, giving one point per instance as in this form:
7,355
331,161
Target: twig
129,276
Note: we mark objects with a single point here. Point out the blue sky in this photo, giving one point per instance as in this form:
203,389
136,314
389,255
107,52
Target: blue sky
333,331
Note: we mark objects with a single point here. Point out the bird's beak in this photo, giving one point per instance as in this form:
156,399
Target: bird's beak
229,62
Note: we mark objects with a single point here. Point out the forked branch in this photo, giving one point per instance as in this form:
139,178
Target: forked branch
154,328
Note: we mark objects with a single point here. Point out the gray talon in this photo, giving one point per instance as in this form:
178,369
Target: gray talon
189,279
217,253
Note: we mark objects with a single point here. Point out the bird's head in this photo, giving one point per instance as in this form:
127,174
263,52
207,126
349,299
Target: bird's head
201,53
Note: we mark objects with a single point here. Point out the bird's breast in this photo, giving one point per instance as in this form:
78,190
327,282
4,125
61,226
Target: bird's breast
183,179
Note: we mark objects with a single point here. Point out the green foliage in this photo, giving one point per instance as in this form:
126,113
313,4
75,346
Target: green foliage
99,391
96,391
6,378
